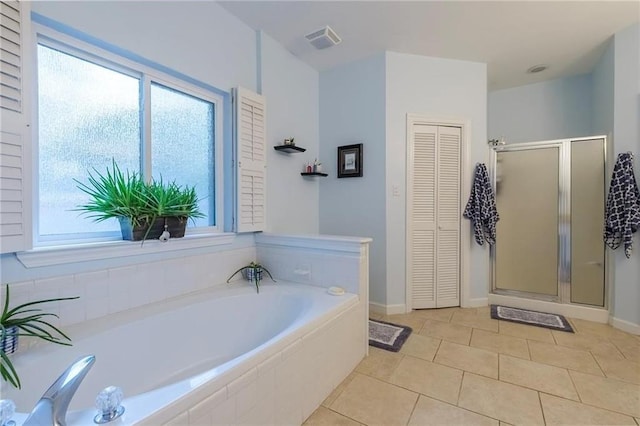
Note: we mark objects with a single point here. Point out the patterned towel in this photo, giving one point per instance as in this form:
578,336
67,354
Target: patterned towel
622,214
481,207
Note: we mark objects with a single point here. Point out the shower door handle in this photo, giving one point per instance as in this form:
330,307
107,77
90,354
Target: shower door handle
595,263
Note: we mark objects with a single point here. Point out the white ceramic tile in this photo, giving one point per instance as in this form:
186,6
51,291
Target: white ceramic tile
206,406
96,284
243,381
19,292
72,312
96,308
269,364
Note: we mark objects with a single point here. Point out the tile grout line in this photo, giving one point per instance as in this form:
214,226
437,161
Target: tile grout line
541,408
415,404
343,415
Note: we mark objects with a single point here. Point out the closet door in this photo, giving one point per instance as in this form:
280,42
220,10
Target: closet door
434,203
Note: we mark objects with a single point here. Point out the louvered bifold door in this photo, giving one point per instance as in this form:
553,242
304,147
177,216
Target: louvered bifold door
250,113
15,232
422,266
448,217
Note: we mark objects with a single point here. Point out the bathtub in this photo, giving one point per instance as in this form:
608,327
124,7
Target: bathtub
224,355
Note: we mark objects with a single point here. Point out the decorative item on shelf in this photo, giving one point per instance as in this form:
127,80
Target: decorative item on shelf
317,166
350,161
290,141
253,272
25,320
145,210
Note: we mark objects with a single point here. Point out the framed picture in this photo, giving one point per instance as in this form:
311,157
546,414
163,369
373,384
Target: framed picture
350,161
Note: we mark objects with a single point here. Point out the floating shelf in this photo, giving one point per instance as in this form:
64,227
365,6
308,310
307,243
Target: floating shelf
289,148
314,174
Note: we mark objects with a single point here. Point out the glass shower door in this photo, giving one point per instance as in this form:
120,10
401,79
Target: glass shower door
527,235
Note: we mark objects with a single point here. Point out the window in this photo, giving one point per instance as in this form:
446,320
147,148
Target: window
94,106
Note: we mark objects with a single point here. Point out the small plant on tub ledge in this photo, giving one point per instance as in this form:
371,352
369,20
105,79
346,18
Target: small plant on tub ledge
25,320
253,272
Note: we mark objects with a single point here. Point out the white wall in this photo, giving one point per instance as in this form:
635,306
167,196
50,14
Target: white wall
292,91
441,88
352,110
548,110
626,291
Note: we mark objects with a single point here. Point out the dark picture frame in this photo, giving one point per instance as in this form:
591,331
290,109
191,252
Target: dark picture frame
350,161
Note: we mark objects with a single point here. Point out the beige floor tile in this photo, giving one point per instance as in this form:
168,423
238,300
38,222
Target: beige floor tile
374,402
379,363
441,314
629,345
412,320
587,342
499,400
376,316
447,331
505,424
325,417
594,328
429,411
466,358
528,332
427,378
485,310
541,377
561,356
501,343
621,369
472,319
338,390
559,411
607,393
421,346
638,421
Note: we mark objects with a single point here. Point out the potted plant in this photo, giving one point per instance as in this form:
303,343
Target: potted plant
25,320
253,272
143,209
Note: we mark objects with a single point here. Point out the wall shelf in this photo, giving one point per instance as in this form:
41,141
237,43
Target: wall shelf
314,174
289,148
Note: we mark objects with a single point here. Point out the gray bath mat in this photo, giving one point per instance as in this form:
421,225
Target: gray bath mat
388,336
523,316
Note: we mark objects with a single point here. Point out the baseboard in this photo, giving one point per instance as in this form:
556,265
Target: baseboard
571,311
478,302
623,325
379,308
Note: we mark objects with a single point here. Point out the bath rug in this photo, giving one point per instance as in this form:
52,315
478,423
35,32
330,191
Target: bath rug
388,336
524,316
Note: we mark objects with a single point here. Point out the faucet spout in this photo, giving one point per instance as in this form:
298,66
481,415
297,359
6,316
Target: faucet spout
52,408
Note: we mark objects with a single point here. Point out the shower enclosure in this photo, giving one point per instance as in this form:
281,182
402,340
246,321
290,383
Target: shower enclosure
551,198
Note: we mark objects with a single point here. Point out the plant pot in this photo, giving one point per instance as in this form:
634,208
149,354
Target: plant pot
249,274
9,340
175,225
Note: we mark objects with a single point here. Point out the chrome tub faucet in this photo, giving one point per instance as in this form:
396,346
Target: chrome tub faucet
52,408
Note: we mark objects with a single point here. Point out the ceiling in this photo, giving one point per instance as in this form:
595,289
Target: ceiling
509,36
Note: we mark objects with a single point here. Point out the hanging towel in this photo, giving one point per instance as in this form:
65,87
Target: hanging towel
622,213
481,207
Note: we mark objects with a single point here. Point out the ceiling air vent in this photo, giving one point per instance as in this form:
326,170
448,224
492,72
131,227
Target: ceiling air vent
323,38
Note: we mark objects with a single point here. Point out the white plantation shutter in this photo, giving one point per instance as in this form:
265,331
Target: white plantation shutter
250,109
15,231
434,204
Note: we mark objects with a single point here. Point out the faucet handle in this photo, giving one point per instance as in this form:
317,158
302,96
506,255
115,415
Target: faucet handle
7,409
109,405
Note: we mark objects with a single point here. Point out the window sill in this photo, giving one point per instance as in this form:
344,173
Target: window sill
56,255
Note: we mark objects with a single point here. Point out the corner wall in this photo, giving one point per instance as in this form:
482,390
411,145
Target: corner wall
625,297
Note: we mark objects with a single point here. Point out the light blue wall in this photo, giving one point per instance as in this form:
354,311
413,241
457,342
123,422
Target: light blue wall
292,91
439,88
602,94
548,110
625,301
352,110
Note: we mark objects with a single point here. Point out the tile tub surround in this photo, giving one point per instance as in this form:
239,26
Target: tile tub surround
540,379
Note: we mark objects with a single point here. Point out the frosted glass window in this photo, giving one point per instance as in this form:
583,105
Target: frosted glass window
182,144
88,114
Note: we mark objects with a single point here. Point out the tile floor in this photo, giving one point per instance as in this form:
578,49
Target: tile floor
460,367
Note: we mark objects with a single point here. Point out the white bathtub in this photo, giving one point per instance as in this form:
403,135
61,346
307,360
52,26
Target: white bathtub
224,355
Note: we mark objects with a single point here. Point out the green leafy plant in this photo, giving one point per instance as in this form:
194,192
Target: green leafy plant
116,194
25,320
253,272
